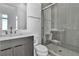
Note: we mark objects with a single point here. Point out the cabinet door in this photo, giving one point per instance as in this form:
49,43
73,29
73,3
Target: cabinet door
6,52
29,48
19,50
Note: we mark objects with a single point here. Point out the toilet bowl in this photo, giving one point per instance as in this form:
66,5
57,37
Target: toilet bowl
39,49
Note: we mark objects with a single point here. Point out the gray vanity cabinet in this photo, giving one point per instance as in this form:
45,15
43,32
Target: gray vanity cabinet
17,47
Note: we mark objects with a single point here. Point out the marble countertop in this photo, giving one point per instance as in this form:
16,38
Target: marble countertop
10,37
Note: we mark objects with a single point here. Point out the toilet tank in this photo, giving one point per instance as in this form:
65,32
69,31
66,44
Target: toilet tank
37,39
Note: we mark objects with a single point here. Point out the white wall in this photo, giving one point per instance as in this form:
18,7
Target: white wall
34,18
34,9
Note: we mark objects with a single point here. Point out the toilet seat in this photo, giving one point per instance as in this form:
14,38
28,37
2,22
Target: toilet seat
41,48
42,54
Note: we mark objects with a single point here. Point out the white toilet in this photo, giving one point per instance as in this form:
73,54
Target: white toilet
39,49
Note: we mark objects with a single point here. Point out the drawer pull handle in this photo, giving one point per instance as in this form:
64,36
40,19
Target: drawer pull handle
6,49
18,45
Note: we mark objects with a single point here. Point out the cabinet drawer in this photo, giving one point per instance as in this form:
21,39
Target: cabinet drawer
18,41
6,52
5,44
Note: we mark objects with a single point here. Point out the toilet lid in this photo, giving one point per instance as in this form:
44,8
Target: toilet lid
41,48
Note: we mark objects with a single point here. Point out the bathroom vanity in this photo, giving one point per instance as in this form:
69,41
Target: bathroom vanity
20,45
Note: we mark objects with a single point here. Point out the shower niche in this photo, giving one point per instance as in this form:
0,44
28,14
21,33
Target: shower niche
56,36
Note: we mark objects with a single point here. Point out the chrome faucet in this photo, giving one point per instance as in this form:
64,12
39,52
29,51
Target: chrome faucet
10,30
6,32
15,31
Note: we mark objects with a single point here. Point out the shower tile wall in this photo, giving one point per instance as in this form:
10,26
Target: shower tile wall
50,18
47,22
67,19
66,16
